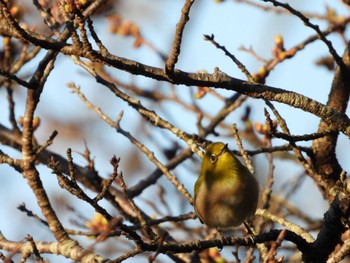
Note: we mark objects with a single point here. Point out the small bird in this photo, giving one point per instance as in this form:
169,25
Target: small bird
225,193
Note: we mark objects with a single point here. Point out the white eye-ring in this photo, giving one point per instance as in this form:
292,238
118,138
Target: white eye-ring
213,158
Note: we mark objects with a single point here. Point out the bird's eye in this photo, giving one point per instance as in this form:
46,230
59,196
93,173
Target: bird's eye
213,158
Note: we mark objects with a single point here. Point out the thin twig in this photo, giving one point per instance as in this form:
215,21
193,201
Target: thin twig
289,225
331,191
305,137
241,149
266,195
239,64
36,252
146,113
175,50
140,214
108,182
339,120
47,144
73,188
16,79
98,42
273,251
307,22
22,207
180,187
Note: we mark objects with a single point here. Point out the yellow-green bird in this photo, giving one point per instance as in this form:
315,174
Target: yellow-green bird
225,193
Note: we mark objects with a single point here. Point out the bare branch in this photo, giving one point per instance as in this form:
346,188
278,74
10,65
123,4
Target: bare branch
307,22
175,51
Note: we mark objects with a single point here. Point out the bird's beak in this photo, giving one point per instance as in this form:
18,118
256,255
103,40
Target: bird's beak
223,150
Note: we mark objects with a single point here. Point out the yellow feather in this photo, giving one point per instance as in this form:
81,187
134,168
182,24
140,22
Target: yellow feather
225,193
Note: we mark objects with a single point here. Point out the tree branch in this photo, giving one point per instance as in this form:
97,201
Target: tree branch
324,157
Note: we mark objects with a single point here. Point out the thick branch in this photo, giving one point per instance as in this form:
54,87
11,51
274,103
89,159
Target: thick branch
66,249
324,148
221,80
217,80
330,234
